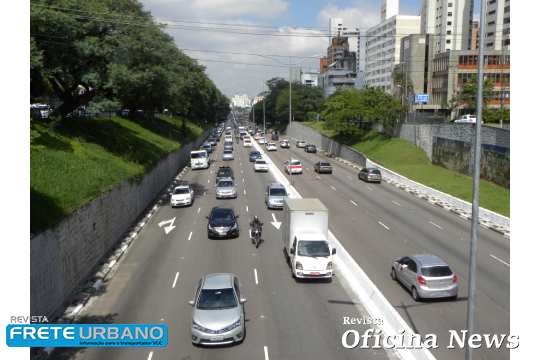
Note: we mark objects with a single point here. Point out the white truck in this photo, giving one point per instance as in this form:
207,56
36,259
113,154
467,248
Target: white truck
199,159
305,239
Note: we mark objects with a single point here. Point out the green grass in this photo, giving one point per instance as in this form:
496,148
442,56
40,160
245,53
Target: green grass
74,162
408,160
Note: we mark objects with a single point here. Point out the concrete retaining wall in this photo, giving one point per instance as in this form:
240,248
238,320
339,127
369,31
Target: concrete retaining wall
451,146
63,257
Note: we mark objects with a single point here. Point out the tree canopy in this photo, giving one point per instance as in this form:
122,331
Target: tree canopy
86,49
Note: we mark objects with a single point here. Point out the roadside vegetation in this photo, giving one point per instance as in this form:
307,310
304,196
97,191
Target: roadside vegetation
73,163
408,160
88,61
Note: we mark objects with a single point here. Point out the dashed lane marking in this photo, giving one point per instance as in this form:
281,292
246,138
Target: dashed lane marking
333,187
500,260
383,225
396,203
190,234
175,279
266,357
256,277
437,226
352,202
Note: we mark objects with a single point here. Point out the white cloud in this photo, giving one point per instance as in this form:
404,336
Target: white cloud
225,8
363,15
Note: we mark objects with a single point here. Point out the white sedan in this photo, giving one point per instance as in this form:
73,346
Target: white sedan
262,140
271,147
247,142
182,196
294,166
260,165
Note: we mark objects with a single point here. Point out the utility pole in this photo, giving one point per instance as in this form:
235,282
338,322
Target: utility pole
407,92
476,182
290,92
264,116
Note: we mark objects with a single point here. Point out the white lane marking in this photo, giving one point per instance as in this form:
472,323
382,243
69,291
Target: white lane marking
274,217
352,202
437,226
384,226
266,353
241,171
370,188
190,234
244,191
209,181
198,210
256,277
247,208
243,180
333,187
396,203
204,193
150,355
499,260
175,279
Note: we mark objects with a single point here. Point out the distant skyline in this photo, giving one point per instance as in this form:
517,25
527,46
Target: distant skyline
235,73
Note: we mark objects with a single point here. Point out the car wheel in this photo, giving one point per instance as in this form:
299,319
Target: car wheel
415,295
393,274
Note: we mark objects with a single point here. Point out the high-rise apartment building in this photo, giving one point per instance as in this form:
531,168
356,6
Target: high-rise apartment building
475,32
449,21
383,43
498,25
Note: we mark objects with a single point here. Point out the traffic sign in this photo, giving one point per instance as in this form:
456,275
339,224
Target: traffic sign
421,98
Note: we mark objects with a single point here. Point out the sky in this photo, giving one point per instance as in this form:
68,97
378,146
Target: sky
240,63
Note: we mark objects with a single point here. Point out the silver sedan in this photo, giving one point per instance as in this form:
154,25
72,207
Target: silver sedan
425,276
218,311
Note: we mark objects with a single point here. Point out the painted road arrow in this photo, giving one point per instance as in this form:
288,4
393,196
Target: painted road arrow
170,227
276,224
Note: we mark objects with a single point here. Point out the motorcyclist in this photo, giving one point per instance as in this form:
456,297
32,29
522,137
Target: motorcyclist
255,226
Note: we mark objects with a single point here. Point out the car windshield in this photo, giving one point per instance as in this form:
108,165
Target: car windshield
226,183
198,155
223,214
436,271
324,164
216,299
181,191
313,248
374,171
228,152
278,192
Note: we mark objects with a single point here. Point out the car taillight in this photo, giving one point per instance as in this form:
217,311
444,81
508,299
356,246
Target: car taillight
455,279
420,279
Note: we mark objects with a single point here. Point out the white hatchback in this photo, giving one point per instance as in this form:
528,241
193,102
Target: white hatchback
294,166
271,147
260,165
247,142
182,196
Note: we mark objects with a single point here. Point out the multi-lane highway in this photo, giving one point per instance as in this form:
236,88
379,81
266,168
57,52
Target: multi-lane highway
158,276
287,319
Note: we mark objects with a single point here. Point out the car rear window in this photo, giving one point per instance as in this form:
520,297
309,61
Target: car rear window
181,191
295,163
278,192
374,171
260,162
225,183
227,152
436,271
324,164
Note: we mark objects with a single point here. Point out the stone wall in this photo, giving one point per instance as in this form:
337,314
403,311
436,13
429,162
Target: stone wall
451,146
63,257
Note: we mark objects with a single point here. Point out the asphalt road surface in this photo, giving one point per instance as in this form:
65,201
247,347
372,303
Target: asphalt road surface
377,223
157,277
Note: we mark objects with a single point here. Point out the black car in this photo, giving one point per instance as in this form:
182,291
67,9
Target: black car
222,223
208,147
310,148
212,141
224,172
323,167
254,155
275,135
370,175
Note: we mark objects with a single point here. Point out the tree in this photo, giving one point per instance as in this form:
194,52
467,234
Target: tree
346,108
465,98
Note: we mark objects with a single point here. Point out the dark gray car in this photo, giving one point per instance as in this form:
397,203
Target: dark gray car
218,311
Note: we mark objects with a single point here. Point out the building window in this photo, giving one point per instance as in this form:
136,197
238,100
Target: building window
448,41
449,13
449,4
449,32
449,23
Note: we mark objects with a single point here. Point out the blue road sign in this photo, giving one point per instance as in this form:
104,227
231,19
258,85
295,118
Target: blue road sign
421,98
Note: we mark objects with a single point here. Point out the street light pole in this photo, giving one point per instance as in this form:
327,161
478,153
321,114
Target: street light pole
264,116
476,183
290,92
